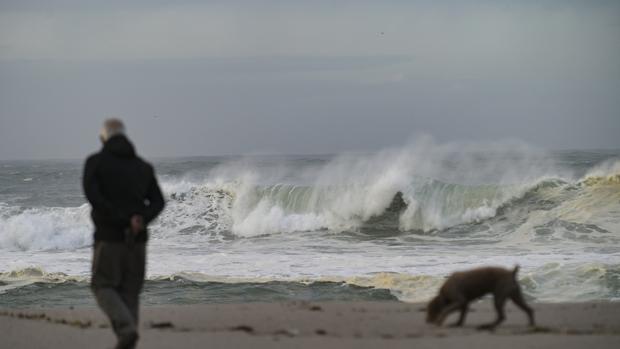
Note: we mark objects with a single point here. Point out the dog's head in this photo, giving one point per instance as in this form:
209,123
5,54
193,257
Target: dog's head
433,309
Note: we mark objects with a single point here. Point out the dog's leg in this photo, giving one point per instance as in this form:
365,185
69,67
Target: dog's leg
446,311
464,309
499,301
517,298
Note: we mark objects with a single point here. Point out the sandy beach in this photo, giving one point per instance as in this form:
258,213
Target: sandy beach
311,325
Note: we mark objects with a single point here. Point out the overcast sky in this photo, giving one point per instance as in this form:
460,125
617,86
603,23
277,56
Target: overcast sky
236,77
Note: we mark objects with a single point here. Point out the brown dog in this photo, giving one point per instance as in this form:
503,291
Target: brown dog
463,287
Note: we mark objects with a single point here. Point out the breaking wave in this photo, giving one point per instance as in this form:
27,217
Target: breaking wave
422,187
402,191
424,205
44,228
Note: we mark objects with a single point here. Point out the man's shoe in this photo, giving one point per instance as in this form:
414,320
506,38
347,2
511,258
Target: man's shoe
127,342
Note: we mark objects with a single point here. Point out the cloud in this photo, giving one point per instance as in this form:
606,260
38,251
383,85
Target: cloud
475,40
300,76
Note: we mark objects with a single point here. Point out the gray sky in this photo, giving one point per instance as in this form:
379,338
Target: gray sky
233,77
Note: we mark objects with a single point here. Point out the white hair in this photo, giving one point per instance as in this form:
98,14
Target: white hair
111,127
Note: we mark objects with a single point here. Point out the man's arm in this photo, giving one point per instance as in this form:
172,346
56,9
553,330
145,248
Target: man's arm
155,198
92,192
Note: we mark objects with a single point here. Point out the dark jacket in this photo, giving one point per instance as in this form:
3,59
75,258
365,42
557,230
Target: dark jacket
119,184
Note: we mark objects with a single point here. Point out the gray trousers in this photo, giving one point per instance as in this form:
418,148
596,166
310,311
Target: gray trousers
117,279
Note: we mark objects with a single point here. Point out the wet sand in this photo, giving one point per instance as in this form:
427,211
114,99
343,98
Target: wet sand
316,325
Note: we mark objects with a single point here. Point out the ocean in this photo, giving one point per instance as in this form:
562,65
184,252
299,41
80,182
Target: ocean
389,225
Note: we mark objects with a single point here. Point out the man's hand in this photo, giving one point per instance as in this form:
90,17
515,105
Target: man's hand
137,224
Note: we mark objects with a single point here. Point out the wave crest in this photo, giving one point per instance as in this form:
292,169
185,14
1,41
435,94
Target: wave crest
607,173
45,228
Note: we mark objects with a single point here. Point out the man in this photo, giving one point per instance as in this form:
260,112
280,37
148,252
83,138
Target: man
125,198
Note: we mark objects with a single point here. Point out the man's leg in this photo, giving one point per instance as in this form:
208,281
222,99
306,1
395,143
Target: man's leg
117,311
107,276
133,279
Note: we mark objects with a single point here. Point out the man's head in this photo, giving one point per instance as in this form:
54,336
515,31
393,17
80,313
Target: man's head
111,127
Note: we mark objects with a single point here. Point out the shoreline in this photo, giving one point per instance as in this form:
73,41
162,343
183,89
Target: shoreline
311,324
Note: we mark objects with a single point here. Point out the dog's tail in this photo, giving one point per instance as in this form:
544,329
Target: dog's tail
515,271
